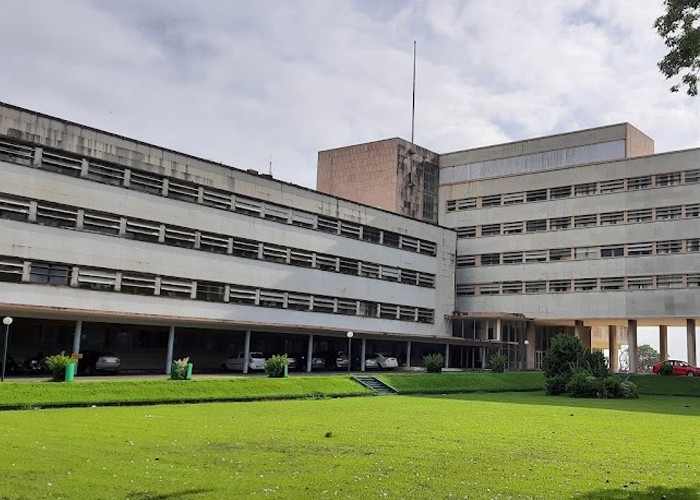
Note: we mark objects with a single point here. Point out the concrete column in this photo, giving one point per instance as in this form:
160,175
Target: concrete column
484,361
169,352
246,351
583,334
692,342
447,355
408,354
363,354
309,353
663,342
531,336
632,343
77,334
613,348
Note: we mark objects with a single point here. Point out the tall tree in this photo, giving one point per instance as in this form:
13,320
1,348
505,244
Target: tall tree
680,29
646,357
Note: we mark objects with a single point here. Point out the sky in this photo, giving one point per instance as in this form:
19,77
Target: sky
249,82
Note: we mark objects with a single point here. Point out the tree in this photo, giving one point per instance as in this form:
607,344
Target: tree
646,357
680,29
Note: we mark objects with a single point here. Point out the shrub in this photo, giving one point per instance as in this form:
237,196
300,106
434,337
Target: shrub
276,364
583,385
57,364
611,388
181,367
666,370
556,384
434,362
497,363
628,390
562,357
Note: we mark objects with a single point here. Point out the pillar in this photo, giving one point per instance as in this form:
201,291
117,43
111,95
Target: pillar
447,355
632,345
531,336
246,351
77,334
692,342
363,354
663,342
309,353
614,363
169,351
583,334
408,354
484,361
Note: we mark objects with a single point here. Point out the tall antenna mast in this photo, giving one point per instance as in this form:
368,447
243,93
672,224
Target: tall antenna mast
413,106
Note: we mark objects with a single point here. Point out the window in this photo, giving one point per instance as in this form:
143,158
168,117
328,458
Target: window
512,257
14,209
274,253
391,239
635,183
216,243
559,286
101,223
49,214
612,283
692,245
347,265
612,251
512,227
535,286
692,210
692,176
537,195
611,218
560,223
536,256
272,298
388,273
465,290
536,225
585,220
180,237
210,291
466,232
330,263
674,246
490,259
245,248
371,234
49,274
512,287
219,199
466,260
693,280
586,189
585,285
665,213
97,279
173,287
583,253
671,179
612,186
491,230
560,192
669,281
327,225
557,254
149,183
138,283
640,249
11,270
643,215
181,190
489,289
491,201
107,174
142,231
640,282
298,301
513,198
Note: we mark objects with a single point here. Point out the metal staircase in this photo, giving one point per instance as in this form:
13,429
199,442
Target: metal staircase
377,386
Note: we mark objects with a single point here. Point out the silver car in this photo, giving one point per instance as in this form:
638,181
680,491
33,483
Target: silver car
256,361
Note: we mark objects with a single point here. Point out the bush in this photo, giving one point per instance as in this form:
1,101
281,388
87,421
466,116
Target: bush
181,367
555,384
628,390
583,385
666,370
434,362
562,357
275,366
57,364
497,363
611,388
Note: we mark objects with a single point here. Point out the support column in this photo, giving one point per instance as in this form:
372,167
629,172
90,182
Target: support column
169,351
363,354
583,334
632,345
447,355
484,361
309,353
77,334
614,362
531,336
692,342
408,354
663,342
246,351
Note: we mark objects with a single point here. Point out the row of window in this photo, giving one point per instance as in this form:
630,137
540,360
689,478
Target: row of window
65,216
577,190
581,253
19,271
117,175
580,221
581,285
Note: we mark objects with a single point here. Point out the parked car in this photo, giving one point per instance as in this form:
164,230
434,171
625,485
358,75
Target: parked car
383,361
679,368
317,362
256,361
98,361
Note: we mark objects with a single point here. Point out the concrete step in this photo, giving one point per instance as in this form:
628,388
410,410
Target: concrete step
377,386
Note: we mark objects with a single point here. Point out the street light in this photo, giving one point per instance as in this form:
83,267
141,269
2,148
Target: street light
7,321
525,343
349,336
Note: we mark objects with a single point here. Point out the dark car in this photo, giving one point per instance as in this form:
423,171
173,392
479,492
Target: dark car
98,361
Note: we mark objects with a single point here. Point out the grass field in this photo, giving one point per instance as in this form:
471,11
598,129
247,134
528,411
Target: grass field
506,445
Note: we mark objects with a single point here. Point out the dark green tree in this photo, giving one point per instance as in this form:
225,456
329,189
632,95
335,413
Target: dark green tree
680,29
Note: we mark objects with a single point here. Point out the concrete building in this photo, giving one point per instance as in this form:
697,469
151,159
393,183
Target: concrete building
588,232
111,243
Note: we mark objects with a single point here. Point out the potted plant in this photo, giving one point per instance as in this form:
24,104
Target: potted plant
181,369
61,366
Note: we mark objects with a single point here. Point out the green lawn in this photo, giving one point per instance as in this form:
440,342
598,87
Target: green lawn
450,382
505,445
667,386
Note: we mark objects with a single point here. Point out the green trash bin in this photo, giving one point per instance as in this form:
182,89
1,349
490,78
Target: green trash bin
188,375
173,372
70,372
286,370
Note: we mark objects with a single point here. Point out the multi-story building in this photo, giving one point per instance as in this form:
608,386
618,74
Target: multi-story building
588,232
111,243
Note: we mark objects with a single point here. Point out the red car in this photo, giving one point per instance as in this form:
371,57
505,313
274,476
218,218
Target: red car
679,368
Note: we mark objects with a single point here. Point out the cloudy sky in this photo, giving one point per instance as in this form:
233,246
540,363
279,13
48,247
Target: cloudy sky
242,81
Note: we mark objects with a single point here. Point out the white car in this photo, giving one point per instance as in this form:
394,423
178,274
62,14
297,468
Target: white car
382,360
256,361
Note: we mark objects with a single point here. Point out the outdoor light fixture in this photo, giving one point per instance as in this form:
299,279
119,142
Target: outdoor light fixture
7,321
349,335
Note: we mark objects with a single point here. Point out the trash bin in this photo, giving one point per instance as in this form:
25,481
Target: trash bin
173,372
286,370
188,376
70,372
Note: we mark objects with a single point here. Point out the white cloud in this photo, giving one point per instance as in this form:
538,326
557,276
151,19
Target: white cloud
240,81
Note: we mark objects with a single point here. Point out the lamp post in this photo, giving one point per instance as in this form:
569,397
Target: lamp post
349,336
7,321
525,343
